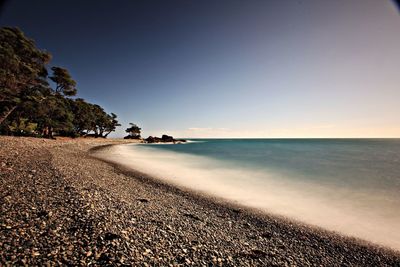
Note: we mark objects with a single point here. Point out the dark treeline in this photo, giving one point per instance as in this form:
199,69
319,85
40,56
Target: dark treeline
30,106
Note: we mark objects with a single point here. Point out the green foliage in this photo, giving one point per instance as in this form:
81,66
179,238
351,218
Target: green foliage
28,104
134,130
22,64
23,127
54,114
111,124
22,69
83,116
104,123
64,82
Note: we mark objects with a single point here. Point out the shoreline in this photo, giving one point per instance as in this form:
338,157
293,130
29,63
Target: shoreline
233,207
303,204
120,216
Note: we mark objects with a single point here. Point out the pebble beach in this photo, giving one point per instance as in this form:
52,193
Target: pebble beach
60,205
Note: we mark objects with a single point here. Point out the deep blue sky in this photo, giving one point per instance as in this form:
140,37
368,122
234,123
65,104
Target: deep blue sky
228,68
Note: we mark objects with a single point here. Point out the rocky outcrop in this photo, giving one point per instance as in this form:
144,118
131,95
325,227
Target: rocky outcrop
132,137
164,139
167,138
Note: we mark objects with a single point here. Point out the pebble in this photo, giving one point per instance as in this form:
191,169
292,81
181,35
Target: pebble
79,211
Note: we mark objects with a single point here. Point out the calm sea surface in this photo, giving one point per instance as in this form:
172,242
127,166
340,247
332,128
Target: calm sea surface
358,163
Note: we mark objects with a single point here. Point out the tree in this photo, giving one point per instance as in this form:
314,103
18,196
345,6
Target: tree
133,131
23,127
102,124
53,115
111,124
29,106
22,69
83,116
64,83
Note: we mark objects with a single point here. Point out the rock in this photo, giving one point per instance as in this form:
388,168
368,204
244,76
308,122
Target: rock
255,254
152,139
167,138
111,236
164,139
266,235
132,137
192,216
42,213
237,211
104,258
146,252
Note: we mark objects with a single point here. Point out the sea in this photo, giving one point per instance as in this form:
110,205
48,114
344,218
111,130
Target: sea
350,186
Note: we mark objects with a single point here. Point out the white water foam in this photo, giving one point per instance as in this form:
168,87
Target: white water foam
356,214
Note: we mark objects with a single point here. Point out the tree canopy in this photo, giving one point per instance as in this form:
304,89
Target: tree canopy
28,103
133,131
64,82
22,69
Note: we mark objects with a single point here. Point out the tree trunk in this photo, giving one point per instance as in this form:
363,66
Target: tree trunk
51,133
101,131
4,116
46,132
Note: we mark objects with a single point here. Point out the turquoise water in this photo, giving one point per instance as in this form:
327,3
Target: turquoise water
356,163
351,186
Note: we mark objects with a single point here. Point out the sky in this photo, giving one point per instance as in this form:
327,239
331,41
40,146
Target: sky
315,68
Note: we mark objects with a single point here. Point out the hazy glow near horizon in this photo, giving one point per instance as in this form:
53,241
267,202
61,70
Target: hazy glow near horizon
330,131
232,68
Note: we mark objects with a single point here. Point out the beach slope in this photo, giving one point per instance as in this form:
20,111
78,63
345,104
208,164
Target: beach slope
61,205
